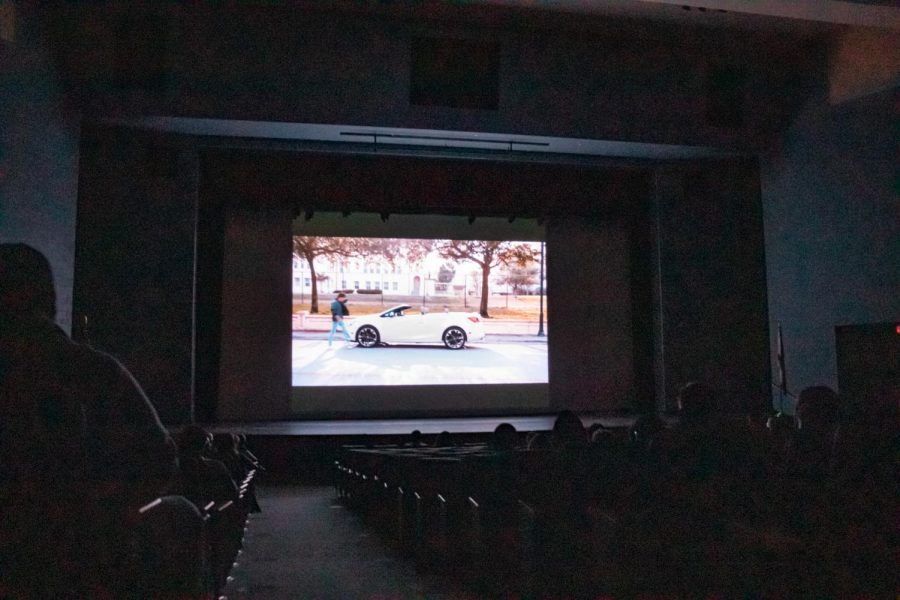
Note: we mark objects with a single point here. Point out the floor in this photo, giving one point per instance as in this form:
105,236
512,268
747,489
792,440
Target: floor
306,546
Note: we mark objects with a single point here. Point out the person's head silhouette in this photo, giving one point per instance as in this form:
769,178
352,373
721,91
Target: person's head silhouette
193,441
568,429
818,411
695,402
26,282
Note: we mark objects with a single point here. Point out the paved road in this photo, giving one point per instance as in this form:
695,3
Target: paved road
315,364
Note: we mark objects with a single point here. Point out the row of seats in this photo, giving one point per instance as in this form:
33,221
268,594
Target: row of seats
167,549
722,507
207,540
446,507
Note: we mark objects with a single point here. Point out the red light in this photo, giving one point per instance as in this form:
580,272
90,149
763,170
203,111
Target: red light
898,330
475,320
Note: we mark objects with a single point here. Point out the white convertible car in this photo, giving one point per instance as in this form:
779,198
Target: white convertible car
400,325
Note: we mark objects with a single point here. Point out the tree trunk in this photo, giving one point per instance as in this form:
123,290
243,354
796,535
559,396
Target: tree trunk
485,292
314,294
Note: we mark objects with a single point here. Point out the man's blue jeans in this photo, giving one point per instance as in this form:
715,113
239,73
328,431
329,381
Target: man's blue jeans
334,326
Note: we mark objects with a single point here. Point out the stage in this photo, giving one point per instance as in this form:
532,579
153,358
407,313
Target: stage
393,427
305,451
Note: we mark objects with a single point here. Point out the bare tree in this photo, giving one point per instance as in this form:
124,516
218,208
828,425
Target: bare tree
310,247
409,251
487,255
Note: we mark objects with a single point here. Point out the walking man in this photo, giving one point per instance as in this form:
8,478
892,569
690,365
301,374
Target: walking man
338,312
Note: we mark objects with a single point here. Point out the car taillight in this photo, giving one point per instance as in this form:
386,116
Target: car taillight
474,319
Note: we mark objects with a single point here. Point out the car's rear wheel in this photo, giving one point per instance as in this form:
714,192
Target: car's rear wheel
367,336
454,338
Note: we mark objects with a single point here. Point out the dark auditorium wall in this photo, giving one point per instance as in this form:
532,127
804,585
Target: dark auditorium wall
255,368
592,346
138,202
712,282
830,194
625,82
135,260
585,77
594,214
38,157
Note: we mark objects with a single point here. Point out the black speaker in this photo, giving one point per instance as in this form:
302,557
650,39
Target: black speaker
868,359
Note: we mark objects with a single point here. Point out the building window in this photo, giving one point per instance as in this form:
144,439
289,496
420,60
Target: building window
344,283
306,282
395,286
368,285
355,285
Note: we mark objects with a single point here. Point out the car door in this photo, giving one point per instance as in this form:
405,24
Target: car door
406,328
388,326
424,328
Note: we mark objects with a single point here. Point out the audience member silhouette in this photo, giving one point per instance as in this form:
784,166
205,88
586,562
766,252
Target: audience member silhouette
170,553
225,449
251,463
415,439
695,403
81,447
443,440
781,428
695,443
202,480
817,415
868,438
208,484
646,433
568,430
505,438
249,458
537,440
865,498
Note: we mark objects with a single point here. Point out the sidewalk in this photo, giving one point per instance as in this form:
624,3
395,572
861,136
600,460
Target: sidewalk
498,338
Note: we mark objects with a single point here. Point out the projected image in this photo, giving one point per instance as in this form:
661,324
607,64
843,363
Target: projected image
399,311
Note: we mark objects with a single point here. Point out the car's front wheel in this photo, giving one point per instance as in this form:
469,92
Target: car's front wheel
454,338
367,336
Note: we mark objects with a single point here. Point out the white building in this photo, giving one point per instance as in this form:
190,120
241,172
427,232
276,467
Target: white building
400,277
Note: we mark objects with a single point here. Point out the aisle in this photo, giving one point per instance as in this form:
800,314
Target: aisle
306,546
